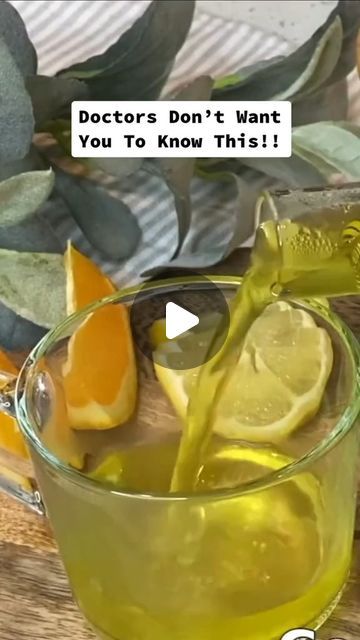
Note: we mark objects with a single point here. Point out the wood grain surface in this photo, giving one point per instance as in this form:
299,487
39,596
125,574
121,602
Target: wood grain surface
35,600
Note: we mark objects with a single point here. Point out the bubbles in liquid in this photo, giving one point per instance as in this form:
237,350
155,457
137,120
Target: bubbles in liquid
313,242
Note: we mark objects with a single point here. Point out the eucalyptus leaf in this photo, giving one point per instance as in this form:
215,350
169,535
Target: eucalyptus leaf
349,12
294,171
14,34
106,222
246,197
198,89
52,97
60,129
245,200
327,104
322,167
332,144
178,172
350,126
16,116
33,286
231,80
137,65
272,77
23,194
17,334
207,167
234,79
278,76
118,167
243,227
321,64
34,234
33,161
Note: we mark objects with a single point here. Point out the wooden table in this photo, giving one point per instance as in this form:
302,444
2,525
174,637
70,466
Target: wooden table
35,600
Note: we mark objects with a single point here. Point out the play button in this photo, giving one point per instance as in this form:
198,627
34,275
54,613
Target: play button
174,322
178,320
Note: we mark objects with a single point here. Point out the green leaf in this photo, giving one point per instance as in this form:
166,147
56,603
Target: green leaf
178,172
243,227
318,69
33,161
23,194
14,34
323,168
33,286
107,222
330,143
327,104
34,234
17,334
16,117
118,167
349,12
198,89
320,66
52,97
245,200
278,76
294,171
246,197
234,79
231,80
350,126
207,167
137,65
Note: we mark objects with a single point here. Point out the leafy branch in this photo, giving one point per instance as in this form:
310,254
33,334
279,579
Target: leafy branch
136,67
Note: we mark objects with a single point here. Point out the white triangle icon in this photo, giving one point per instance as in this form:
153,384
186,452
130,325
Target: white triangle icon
178,320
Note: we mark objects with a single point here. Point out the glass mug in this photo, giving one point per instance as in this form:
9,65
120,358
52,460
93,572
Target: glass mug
244,559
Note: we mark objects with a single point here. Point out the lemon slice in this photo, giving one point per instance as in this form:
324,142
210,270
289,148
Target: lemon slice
277,384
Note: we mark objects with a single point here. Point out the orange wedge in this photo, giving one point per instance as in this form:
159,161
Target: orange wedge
10,436
100,379
85,282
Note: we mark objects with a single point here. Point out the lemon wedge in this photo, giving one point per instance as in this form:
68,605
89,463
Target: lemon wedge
277,384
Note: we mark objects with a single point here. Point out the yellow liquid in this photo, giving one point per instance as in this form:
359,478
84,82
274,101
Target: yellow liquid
250,567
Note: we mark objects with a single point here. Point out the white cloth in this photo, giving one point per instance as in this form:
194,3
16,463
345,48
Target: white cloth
67,31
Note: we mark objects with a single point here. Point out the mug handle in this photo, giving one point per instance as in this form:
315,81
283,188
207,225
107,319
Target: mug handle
16,474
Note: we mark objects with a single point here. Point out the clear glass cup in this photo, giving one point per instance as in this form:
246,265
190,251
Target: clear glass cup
265,550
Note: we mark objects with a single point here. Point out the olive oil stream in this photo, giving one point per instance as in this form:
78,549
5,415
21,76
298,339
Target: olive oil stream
289,260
